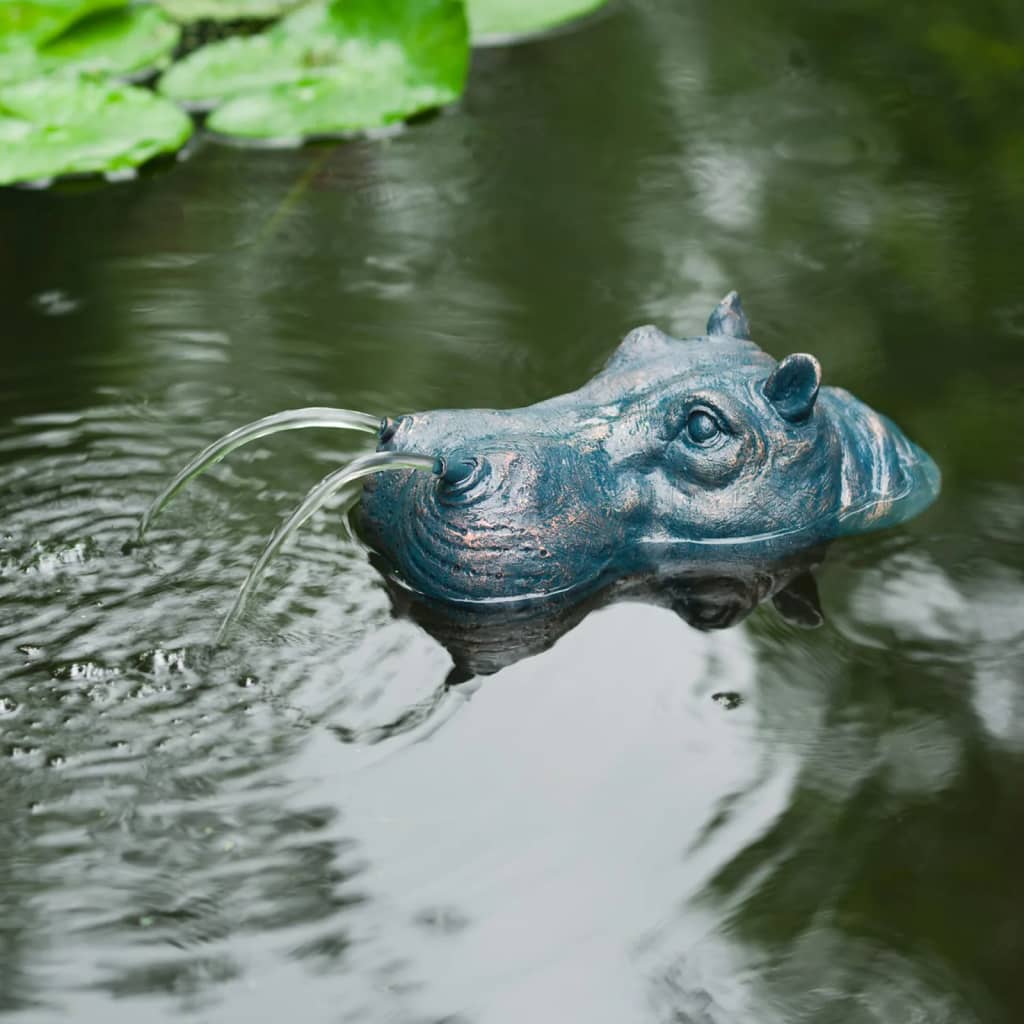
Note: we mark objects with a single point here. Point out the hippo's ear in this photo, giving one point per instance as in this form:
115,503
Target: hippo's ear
793,386
729,319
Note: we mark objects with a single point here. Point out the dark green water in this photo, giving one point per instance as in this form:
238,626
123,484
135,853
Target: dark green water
308,826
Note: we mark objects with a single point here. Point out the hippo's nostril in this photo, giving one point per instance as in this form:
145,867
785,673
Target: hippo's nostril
459,478
455,472
387,429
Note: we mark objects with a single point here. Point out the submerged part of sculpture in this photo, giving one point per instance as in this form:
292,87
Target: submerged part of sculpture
681,458
694,453
484,638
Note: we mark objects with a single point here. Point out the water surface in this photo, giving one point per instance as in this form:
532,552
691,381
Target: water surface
645,822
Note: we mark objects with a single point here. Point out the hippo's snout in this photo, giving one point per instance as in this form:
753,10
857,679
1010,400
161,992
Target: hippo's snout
472,465
513,512
469,468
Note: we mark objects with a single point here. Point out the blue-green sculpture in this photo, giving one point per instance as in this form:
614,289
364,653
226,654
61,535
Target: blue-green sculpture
689,460
695,453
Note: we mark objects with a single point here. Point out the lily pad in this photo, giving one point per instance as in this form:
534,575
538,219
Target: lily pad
497,21
18,60
325,106
74,125
330,68
35,21
227,10
236,66
122,41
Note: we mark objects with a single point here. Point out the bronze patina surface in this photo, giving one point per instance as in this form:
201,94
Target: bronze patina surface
685,454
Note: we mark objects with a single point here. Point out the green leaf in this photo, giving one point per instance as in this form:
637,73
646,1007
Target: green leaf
498,20
18,60
226,10
115,41
35,21
330,68
71,125
233,66
324,106
118,42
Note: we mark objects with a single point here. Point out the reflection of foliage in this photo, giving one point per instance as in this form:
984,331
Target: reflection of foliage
883,163
897,824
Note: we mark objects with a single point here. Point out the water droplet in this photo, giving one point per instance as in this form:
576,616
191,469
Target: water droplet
122,174
728,700
159,661
55,303
445,920
85,671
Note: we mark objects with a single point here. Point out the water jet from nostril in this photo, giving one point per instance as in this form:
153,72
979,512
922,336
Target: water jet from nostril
292,419
318,496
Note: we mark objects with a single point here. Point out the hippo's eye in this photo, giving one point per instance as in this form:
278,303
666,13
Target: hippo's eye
702,427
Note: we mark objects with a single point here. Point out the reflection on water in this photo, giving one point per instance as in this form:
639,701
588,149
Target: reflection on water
622,818
482,640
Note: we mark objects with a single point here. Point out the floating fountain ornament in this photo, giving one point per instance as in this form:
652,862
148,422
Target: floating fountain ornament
688,456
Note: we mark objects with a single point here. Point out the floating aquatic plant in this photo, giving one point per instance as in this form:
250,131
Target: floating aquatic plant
330,68
97,36
74,125
31,22
123,42
227,10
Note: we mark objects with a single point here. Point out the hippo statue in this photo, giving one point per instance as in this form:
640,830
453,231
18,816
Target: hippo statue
695,453
693,459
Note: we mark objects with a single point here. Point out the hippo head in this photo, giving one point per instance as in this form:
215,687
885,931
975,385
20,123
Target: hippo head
696,453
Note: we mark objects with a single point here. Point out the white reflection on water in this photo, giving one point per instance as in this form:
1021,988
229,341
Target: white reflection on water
975,622
561,818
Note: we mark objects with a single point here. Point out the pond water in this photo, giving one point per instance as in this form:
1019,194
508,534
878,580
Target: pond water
645,822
